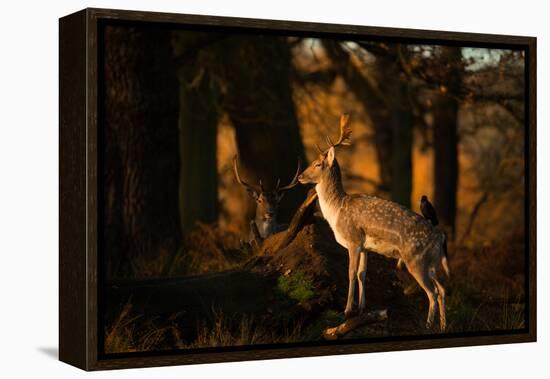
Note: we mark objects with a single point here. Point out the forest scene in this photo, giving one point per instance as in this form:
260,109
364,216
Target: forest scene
243,173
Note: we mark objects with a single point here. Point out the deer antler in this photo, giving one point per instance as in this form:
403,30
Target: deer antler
345,133
241,182
294,180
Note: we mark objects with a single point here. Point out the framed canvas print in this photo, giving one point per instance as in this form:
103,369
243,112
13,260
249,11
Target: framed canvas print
236,189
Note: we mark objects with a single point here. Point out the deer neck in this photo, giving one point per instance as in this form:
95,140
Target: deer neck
265,226
331,194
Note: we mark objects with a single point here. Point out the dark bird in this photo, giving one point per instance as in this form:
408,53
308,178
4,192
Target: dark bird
428,210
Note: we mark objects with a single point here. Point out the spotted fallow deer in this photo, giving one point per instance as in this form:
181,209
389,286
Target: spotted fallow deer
267,204
363,223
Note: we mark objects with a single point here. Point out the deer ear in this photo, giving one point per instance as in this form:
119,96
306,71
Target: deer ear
330,156
253,194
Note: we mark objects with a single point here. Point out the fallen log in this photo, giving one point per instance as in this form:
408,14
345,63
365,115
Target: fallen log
354,323
300,217
234,292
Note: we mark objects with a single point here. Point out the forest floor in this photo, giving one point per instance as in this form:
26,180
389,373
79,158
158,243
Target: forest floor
233,296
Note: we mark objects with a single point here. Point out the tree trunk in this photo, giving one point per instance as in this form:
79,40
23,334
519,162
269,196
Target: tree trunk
384,96
258,100
401,177
198,190
141,137
401,121
446,138
373,104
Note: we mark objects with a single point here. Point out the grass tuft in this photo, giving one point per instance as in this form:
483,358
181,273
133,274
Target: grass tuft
132,334
297,286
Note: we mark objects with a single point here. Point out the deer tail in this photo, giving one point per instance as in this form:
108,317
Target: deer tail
444,258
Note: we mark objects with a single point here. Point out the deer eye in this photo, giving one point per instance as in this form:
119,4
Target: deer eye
318,164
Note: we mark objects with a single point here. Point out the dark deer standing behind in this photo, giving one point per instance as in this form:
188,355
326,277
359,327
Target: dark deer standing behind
363,223
267,205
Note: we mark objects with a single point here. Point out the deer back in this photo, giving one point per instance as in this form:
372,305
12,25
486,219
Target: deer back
382,226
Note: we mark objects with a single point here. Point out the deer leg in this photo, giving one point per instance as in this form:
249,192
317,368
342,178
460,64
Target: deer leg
441,303
425,280
361,276
353,253
399,265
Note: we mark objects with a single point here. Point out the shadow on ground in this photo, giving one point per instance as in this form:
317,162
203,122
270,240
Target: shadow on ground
50,351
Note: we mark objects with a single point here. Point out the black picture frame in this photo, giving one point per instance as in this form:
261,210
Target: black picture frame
79,157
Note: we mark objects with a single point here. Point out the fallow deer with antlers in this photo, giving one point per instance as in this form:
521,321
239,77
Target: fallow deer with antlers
267,204
363,223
